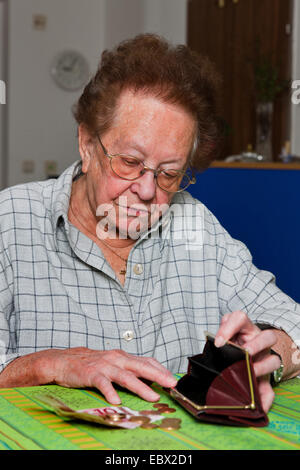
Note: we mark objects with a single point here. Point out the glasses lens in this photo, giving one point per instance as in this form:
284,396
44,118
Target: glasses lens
173,181
130,168
185,182
126,167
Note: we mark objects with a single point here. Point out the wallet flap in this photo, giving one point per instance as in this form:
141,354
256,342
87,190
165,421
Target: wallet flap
231,388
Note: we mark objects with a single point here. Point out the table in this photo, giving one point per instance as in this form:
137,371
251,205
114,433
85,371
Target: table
25,423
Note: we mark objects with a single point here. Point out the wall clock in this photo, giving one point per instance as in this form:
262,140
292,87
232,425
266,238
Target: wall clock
70,70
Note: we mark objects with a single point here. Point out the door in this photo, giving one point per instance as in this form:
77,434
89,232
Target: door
234,33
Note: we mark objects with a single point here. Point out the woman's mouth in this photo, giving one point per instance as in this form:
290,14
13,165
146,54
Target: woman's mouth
135,211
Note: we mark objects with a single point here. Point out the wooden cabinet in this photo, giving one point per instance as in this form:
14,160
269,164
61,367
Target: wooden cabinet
229,35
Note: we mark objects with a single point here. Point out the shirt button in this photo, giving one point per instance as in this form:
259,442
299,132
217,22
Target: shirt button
138,269
128,335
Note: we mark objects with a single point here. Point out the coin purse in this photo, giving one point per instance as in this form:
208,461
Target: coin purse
220,387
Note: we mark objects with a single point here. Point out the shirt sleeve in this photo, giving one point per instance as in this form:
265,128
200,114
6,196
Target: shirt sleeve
7,333
241,286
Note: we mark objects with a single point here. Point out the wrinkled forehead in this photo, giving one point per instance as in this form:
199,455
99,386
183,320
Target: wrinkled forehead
151,121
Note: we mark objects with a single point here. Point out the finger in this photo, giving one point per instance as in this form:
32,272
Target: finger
225,318
156,363
236,323
125,379
264,340
266,366
266,393
129,380
135,363
150,371
106,388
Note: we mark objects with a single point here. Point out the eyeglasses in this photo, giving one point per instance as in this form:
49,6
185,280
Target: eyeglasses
131,168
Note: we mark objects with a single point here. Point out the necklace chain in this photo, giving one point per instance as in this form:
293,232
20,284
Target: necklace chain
119,256
123,271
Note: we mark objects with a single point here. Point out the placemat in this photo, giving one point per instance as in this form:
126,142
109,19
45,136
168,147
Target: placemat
26,423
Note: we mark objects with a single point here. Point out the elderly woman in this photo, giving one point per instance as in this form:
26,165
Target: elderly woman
98,286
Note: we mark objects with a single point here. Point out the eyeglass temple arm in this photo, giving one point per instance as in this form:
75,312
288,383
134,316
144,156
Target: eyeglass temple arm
102,146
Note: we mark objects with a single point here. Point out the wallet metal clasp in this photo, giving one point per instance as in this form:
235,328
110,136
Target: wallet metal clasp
174,393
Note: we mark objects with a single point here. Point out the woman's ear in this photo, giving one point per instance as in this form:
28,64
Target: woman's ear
86,146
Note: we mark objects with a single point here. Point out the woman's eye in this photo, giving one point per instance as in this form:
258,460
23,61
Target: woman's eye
130,162
170,174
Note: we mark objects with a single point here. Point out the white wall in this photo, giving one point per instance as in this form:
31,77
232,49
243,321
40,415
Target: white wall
123,19
40,124
168,18
295,118
126,18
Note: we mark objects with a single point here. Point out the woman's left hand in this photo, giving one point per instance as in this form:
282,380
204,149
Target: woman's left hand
239,329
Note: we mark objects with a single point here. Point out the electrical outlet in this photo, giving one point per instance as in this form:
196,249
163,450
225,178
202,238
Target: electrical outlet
39,22
51,168
28,166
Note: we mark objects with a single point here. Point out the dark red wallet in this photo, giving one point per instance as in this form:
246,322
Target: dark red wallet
220,387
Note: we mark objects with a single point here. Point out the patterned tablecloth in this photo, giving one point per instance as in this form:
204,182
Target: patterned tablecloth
25,423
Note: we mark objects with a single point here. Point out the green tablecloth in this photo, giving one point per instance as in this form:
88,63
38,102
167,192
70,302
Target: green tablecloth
25,423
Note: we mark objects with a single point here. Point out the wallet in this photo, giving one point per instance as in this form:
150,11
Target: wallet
220,387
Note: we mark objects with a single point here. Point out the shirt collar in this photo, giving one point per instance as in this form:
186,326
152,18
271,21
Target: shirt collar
62,192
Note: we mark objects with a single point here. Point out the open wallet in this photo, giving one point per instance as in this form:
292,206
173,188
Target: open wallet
220,387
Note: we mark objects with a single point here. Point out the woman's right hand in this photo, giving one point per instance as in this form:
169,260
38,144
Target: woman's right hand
83,367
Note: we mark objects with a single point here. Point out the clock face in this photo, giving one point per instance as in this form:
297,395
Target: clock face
70,70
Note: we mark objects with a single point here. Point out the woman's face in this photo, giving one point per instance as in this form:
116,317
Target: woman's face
161,136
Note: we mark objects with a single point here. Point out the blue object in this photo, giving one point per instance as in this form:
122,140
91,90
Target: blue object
260,207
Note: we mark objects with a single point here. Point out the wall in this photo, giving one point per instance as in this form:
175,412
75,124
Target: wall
40,125
166,17
295,118
123,20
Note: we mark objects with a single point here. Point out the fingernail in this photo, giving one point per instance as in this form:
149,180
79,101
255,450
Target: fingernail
116,402
173,382
155,397
219,341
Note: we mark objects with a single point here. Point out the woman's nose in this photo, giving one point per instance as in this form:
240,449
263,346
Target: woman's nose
145,186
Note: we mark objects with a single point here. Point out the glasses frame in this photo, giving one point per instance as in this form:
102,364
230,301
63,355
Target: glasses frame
192,180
